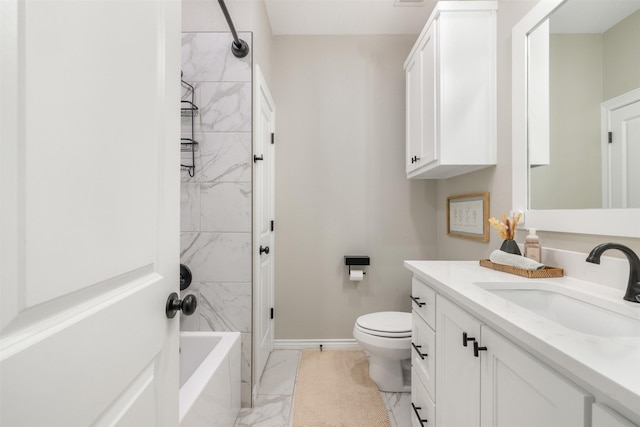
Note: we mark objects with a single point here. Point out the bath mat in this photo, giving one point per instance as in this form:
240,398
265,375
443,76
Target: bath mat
333,389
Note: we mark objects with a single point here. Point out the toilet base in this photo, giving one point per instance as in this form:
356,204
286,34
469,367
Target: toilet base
388,374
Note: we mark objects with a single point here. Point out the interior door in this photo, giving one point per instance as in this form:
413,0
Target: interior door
89,213
264,226
624,151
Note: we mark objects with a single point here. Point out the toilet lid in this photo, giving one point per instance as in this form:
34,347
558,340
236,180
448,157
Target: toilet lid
386,323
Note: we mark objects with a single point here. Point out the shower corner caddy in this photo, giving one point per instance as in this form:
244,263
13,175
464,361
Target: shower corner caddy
188,108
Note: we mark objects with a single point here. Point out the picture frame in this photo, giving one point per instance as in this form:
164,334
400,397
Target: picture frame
467,216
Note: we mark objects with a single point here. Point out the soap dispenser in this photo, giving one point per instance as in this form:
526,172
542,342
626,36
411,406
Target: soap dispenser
532,247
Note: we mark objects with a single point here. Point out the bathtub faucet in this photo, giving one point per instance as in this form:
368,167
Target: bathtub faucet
633,287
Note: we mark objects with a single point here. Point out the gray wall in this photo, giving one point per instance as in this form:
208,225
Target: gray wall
621,63
341,187
572,180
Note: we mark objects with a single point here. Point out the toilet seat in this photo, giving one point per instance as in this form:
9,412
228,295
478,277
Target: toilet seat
388,324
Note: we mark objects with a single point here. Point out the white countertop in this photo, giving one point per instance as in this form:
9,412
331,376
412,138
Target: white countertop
607,367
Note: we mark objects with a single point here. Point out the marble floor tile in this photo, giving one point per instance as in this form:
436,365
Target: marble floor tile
399,408
268,411
280,372
274,404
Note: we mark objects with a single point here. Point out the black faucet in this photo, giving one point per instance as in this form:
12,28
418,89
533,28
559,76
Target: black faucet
633,287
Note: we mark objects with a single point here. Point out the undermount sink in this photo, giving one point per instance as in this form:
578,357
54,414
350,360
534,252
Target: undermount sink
572,313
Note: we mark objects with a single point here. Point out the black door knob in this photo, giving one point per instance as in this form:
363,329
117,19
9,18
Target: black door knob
264,250
185,277
257,158
174,304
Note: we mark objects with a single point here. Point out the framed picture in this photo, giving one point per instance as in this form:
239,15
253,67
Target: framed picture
467,216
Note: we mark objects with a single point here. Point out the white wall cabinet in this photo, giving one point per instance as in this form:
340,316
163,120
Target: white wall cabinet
483,379
451,92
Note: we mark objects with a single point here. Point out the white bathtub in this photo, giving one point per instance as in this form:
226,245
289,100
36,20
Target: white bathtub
209,378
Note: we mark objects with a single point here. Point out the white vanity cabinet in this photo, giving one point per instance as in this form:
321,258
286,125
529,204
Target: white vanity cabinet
451,92
482,378
423,354
518,390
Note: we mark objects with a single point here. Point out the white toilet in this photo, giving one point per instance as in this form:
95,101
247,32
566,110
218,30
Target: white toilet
386,336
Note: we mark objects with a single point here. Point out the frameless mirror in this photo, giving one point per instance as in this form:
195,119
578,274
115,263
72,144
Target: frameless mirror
582,58
570,81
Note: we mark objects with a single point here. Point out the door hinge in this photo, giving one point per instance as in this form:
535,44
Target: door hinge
271,313
273,225
273,138
610,137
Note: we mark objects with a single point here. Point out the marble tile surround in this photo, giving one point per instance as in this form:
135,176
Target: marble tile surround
215,220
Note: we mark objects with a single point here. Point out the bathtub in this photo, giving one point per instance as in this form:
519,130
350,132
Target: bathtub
209,378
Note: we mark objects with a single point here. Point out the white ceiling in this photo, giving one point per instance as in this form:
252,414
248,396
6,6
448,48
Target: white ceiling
590,16
339,17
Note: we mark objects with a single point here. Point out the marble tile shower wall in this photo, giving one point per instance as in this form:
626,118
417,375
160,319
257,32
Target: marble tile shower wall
216,201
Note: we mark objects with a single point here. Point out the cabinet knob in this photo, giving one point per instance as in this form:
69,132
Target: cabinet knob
477,349
416,409
417,301
466,339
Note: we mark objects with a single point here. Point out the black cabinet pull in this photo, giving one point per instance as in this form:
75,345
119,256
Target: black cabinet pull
417,301
256,158
417,348
264,250
466,339
416,409
477,349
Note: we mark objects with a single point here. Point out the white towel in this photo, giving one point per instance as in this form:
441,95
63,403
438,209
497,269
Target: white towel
500,257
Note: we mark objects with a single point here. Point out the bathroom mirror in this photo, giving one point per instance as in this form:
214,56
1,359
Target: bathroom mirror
557,173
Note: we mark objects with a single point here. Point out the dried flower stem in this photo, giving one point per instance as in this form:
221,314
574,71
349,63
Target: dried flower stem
508,227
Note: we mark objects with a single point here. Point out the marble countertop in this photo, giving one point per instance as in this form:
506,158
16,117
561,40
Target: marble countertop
607,367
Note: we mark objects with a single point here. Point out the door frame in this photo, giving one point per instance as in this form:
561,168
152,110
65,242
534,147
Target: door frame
261,89
606,108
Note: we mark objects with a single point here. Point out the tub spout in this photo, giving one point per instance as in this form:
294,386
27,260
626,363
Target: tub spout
633,286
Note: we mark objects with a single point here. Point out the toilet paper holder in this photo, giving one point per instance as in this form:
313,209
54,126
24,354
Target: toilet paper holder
356,260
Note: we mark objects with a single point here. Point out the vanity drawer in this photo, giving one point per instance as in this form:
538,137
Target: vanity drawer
424,301
423,354
423,410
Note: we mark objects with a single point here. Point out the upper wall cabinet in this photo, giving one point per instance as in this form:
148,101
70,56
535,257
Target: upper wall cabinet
451,92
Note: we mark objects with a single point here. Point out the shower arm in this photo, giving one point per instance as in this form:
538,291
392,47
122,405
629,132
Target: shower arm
239,47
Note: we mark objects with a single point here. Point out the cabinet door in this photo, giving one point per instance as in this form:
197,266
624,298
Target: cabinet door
429,142
518,390
414,111
457,370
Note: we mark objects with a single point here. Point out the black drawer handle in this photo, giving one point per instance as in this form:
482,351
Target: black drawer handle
477,349
417,301
416,409
417,348
466,339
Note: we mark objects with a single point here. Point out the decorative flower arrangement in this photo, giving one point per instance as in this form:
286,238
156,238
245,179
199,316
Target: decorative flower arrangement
507,228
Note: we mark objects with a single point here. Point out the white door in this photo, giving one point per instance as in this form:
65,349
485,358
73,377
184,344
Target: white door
264,225
624,151
89,212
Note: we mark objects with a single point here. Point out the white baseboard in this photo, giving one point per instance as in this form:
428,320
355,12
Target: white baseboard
336,344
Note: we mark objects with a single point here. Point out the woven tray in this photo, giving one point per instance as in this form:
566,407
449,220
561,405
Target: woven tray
546,272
